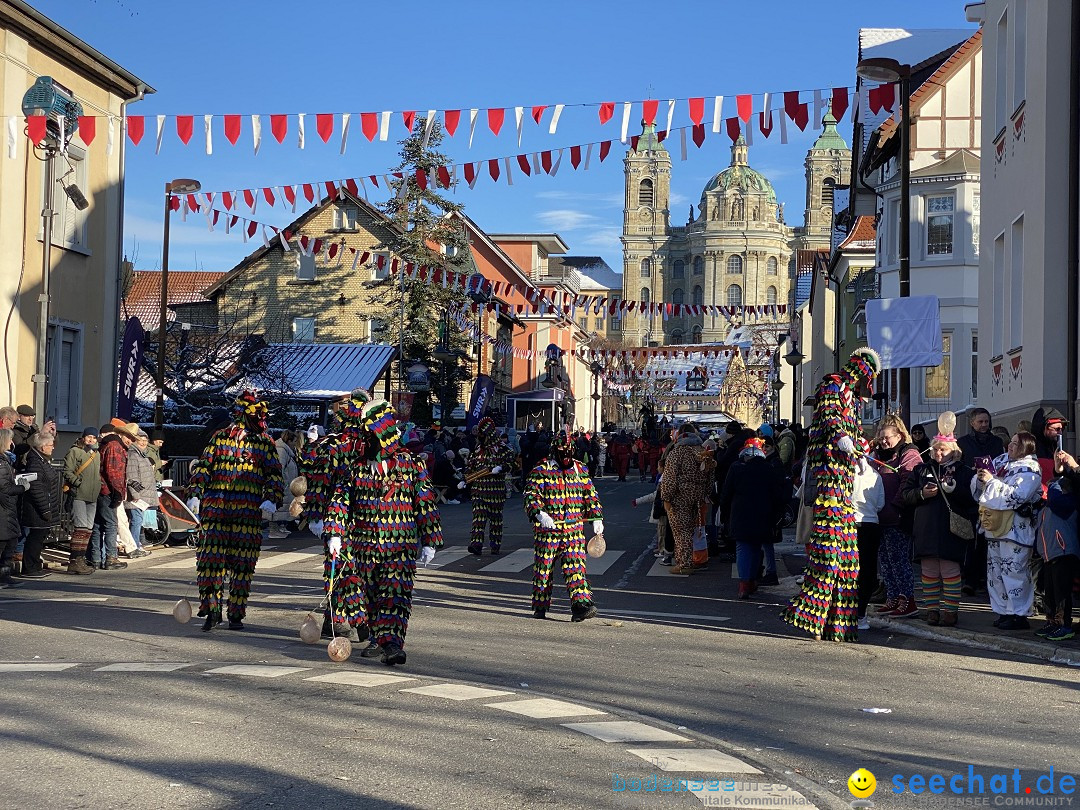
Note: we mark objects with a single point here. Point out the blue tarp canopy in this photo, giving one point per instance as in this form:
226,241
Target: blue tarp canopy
321,371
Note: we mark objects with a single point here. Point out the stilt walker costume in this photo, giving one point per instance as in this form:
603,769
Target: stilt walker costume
382,511
827,605
236,478
559,498
492,456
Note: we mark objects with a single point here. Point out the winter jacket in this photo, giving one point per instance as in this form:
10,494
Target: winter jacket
153,452
9,501
930,532
1056,531
141,485
86,486
752,498
22,440
41,503
785,448
904,459
977,445
867,494
1044,447
289,468
113,468
1017,485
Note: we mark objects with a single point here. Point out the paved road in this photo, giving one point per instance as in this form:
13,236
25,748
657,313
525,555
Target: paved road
680,655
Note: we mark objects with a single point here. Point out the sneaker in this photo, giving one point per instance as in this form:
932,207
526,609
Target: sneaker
905,609
41,574
113,564
453,503
1046,630
137,553
864,623
393,654
666,559
1061,634
372,650
582,612
890,605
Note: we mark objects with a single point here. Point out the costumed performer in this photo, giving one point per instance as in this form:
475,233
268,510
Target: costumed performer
826,607
237,478
485,469
559,498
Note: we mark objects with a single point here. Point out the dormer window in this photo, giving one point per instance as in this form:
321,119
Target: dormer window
345,217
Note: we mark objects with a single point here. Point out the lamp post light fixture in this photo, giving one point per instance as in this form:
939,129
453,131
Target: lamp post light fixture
888,71
777,387
794,359
179,186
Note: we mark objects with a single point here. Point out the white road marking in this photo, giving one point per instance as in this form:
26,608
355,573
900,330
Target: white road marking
595,566
447,556
541,708
651,614
359,678
145,667
751,795
185,562
457,691
35,667
659,570
625,731
512,563
695,760
256,670
57,599
278,560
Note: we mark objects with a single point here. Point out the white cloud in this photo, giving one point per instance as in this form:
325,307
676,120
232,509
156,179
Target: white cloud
567,219
615,200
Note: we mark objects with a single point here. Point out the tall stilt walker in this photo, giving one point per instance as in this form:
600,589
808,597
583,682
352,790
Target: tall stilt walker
235,480
559,498
486,472
827,605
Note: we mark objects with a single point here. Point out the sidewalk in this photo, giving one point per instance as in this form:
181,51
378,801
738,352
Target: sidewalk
975,627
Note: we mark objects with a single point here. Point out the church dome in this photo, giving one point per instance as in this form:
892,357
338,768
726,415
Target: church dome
740,176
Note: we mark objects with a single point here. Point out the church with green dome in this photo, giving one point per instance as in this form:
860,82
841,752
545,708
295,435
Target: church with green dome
735,249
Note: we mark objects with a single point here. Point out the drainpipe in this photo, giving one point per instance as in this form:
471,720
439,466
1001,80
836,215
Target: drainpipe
1074,219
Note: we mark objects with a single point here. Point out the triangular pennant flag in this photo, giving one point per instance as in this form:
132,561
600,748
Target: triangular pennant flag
309,192
607,110
135,125
290,194
887,94
493,169
268,194
421,179
87,128
605,147
545,161
324,125
698,132
538,113
232,128
409,118
369,125
451,119
733,129
697,110
227,200
279,127
839,102
799,113
249,198
185,126
443,174
495,117
523,163
648,110
744,104
575,156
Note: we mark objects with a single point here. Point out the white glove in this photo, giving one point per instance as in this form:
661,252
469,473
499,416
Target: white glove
846,445
598,527
496,469
863,465
461,485
334,546
545,520
312,434
193,505
427,554
315,527
24,484
268,506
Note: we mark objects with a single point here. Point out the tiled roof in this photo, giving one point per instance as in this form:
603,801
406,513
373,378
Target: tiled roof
863,236
144,298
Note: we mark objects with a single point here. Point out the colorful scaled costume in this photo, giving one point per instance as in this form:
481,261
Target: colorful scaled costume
559,498
237,473
827,604
381,515
492,456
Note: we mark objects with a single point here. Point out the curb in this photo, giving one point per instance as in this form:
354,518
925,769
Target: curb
1045,651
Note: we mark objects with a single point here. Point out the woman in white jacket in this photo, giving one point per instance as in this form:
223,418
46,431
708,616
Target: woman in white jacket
868,498
1014,486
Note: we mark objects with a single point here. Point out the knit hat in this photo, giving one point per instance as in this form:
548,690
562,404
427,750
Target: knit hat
89,431
754,447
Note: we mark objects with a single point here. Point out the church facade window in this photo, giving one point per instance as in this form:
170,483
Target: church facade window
678,297
734,296
678,269
827,193
770,295
646,268
770,266
695,334
734,265
678,336
698,296
644,297
699,266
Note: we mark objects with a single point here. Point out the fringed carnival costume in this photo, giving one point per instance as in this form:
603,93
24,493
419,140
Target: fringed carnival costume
826,607
486,472
559,498
237,477
381,515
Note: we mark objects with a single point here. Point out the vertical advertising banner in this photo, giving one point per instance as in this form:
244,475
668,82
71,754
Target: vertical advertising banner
483,388
131,356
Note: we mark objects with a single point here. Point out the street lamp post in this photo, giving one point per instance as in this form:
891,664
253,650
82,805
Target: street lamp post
180,186
777,387
887,71
794,359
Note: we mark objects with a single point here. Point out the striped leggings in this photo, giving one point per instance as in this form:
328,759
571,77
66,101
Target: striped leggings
940,584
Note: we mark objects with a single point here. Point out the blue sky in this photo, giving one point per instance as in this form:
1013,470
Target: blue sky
316,57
